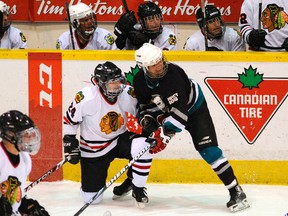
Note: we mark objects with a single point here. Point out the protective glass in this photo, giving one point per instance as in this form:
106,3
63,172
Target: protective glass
29,140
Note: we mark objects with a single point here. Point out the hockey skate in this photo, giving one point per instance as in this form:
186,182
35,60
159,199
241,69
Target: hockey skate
238,200
123,189
140,196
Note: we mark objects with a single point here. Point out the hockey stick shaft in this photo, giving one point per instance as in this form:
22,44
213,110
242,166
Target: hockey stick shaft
46,174
124,2
109,183
70,25
203,6
259,15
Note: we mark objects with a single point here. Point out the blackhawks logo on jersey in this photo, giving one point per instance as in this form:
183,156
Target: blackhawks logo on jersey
111,122
274,17
79,97
11,189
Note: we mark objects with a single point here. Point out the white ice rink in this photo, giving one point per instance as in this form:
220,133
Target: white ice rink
63,199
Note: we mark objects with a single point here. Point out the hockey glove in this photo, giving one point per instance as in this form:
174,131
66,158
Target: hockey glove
31,207
256,38
285,44
162,140
137,38
5,207
71,148
121,41
148,122
125,24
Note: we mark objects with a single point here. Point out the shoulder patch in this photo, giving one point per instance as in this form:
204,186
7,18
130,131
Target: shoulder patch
79,97
172,39
23,38
109,39
58,45
131,92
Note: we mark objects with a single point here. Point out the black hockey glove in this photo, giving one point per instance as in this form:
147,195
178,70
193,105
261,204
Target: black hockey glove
121,41
31,207
5,207
148,122
125,24
71,148
285,44
137,38
256,38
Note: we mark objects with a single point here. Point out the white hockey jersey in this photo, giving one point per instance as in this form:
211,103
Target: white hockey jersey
274,20
100,40
165,41
230,41
100,121
13,38
13,178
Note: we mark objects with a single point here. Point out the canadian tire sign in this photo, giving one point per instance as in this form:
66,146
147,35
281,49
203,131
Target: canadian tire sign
250,99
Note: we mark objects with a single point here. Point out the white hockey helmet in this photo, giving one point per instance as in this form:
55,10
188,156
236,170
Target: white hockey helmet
149,55
80,11
4,8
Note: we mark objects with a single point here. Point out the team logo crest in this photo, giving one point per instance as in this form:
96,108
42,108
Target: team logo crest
58,45
109,39
274,17
11,189
79,97
111,122
131,92
172,39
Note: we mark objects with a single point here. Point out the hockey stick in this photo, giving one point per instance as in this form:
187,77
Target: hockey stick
1,19
125,5
120,173
70,25
205,24
259,17
48,173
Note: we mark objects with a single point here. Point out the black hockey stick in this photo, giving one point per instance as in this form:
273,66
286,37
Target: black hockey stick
109,183
204,24
125,5
70,25
1,19
48,173
259,17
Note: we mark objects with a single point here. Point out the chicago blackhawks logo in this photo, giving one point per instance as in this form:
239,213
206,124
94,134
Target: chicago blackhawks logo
249,100
79,96
11,189
111,122
274,17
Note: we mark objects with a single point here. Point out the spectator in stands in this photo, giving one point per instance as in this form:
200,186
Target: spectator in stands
266,30
214,35
132,35
86,34
10,37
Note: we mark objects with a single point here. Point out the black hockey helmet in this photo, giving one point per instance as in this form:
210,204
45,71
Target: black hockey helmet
148,11
106,73
212,13
18,129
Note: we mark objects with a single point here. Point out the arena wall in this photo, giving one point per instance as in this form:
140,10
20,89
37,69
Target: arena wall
258,156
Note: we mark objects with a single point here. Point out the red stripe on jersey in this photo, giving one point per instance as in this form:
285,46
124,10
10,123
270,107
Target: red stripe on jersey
95,147
141,166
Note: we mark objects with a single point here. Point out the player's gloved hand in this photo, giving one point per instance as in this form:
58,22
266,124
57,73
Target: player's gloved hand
148,123
5,207
125,23
256,38
71,148
285,44
162,139
31,207
137,38
132,124
121,41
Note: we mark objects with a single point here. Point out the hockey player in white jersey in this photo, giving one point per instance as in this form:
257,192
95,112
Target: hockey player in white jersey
99,111
150,29
20,137
219,36
267,30
86,34
10,37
